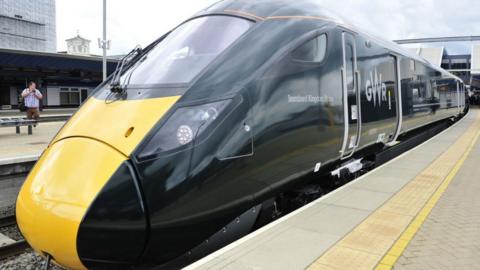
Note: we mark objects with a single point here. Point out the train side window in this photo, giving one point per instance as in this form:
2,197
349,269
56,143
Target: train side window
313,50
349,66
415,93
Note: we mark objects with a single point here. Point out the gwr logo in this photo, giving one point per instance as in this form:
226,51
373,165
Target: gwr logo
375,89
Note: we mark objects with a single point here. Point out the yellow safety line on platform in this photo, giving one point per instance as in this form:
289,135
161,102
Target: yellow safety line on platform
389,260
382,237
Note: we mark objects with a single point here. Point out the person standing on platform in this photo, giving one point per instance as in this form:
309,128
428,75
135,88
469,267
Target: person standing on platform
32,97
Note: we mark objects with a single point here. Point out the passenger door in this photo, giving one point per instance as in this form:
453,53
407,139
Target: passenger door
459,94
351,97
398,101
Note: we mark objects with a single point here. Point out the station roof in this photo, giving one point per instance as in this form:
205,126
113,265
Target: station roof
52,61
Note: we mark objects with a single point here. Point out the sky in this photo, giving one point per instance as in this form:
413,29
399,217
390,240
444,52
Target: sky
142,21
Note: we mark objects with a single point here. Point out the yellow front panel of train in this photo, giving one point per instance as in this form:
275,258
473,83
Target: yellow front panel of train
122,124
76,166
58,192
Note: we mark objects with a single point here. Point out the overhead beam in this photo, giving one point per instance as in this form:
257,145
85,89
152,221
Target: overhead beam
437,39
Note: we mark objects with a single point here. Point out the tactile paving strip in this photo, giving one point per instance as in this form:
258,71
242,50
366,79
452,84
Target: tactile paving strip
382,237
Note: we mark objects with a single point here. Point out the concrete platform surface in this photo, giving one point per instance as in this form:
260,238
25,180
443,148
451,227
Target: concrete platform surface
23,147
371,222
450,236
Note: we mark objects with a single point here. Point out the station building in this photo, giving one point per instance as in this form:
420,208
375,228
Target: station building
28,52
465,65
28,25
65,80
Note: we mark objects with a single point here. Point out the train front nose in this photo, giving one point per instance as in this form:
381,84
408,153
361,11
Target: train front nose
59,208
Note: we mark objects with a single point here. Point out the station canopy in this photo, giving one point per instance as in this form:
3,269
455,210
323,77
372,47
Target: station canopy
51,61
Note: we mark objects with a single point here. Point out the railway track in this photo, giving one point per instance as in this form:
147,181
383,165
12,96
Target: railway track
7,221
11,178
15,248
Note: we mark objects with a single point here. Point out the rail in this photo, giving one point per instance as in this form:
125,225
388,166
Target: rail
16,167
7,221
14,248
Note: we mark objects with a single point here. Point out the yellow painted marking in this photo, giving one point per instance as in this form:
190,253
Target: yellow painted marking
109,122
389,260
58,192
380,239
75,167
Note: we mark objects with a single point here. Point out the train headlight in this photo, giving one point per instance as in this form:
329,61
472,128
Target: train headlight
184,134
185,127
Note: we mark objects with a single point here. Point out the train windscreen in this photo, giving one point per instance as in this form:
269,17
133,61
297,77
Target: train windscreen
186,51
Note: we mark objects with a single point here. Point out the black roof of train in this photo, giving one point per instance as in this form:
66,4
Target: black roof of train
273,8
260,10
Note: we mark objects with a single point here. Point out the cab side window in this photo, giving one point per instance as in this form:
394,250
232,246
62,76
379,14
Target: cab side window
350,67
313,50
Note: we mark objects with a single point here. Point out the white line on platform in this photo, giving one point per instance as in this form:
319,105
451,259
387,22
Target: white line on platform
18,159
240,241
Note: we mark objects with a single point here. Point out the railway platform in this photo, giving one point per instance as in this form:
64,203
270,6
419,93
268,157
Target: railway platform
18,147
421,210
18,153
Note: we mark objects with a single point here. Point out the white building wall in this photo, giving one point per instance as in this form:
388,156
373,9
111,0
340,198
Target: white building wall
476,59
433,55
53,94
78,45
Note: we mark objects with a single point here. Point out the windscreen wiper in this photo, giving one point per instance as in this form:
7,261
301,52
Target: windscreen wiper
115,86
